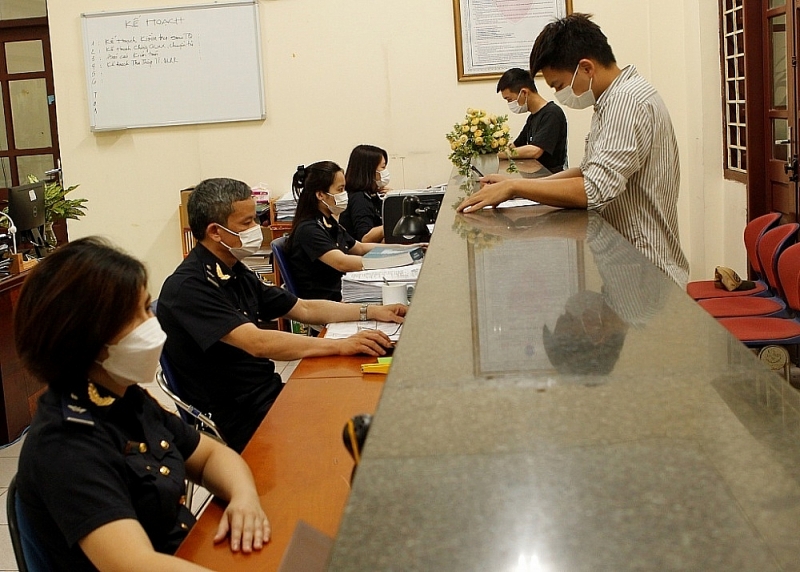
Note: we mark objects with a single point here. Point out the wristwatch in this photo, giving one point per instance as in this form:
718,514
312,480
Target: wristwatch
362,315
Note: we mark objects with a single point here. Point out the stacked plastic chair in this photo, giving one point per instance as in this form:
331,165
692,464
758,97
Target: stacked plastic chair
774,333
769,250
753,233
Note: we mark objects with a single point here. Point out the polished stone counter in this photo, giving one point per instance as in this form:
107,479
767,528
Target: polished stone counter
556,403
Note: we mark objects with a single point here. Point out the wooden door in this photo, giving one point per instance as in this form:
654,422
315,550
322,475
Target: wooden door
780,91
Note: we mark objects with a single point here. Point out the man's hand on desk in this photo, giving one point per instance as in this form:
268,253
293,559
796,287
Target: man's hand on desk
369,342
494,190
391,313
246,524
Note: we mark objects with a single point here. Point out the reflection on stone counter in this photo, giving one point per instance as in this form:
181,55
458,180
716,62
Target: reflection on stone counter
557,403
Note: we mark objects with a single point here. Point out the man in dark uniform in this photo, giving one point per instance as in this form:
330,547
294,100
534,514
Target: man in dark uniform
211,308
544,136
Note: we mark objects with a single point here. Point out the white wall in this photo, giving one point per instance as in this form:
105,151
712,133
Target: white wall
347,72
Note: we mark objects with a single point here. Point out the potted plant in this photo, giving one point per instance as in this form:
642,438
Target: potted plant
58,207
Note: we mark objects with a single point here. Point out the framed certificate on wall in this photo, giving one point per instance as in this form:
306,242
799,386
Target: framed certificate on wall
495,35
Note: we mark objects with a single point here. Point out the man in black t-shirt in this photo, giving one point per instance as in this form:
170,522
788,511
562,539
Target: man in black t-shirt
544,136
211,308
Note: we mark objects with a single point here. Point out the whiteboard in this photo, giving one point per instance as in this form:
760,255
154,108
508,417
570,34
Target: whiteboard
173,66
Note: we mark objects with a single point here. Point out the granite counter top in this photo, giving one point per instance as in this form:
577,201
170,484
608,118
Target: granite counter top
556,403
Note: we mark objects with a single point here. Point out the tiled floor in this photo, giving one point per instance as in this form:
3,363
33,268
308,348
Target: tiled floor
8,467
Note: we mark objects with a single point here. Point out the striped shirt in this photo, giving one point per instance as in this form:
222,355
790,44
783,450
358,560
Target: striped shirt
631,172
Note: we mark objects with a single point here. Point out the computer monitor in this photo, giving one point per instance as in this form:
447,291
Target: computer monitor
26,209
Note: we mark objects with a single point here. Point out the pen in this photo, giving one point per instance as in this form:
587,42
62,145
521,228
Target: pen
474,168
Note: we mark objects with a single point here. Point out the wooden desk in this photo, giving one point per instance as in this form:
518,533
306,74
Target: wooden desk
301,467
18,389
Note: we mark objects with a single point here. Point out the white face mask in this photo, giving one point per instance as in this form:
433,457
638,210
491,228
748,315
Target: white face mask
385,177
515,107
567,95
134,359
340,202
251,239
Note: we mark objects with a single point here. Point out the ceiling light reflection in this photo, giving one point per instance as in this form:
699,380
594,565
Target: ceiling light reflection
531,564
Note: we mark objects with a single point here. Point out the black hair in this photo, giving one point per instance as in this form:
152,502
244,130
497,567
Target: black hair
515,79
306,182
565,42
71,304
572,350
361,168
212,201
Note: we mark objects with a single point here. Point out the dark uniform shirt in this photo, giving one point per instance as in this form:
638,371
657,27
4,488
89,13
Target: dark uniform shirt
199,304
83,466
363,213
312,238
547,129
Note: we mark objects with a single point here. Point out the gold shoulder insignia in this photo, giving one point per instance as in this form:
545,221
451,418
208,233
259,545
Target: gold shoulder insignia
221,274
76,408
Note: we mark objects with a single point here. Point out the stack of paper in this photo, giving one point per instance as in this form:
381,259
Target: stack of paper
285,207
365,286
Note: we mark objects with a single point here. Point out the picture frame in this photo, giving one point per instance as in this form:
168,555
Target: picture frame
493,37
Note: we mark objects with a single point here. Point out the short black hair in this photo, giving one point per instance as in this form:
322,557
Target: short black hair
212,201
361,168
515,79
73,303
565,42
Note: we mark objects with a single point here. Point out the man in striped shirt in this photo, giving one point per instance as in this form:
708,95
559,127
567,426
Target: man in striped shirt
630,172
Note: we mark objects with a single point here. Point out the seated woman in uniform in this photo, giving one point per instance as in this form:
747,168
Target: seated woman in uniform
101,472
366,178
319,249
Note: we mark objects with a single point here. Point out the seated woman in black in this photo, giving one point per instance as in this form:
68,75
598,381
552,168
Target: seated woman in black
366,178
320,250
101,473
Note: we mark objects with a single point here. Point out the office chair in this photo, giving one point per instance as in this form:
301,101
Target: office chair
165,378
279,257
193,416
775,333
29,555
753,233
770,247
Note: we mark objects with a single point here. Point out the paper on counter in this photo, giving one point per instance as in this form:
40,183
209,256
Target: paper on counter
339,330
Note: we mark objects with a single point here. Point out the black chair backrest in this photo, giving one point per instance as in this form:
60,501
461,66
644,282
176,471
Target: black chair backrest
13,525
30,556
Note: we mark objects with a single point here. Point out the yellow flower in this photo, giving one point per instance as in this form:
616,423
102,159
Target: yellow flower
503,141
495,144
479,141
463,139
486,120
478,133
474,128
464,128
497,134
454,145
493,118
506,129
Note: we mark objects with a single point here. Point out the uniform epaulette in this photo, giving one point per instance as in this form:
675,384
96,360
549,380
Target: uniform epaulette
74,412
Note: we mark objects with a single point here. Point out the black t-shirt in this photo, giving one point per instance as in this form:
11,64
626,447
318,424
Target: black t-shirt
83,466
312,238
363,213
199,304
547,129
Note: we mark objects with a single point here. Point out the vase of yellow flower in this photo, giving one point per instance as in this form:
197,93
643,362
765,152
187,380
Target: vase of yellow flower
477,140
486,164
